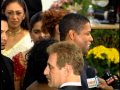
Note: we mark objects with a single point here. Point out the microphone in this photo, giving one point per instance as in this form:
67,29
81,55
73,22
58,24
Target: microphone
111,80
92,78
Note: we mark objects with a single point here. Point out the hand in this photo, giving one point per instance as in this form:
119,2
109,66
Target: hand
103,85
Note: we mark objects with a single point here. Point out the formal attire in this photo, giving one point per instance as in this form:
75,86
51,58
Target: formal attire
16,54
6,74
13,53
71,86
84,79
87,73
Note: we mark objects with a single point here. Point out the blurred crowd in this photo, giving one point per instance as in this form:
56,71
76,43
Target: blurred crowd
26,33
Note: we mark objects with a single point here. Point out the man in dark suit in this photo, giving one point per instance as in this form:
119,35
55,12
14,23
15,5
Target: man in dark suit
6,64
77,28
64,66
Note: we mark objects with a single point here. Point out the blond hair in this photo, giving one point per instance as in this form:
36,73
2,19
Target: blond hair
68,53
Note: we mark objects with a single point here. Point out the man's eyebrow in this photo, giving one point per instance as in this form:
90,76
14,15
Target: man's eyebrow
2,30
49,64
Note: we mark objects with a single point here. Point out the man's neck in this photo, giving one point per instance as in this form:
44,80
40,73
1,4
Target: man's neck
73,78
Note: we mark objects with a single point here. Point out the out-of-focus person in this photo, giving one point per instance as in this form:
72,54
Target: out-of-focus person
6,64
36,31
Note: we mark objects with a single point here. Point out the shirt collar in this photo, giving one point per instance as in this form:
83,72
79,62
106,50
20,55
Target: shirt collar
71,84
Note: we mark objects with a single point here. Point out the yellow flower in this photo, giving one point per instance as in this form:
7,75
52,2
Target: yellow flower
101,52
113,56
103,58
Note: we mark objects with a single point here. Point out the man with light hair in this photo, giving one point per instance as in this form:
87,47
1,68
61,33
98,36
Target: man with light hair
64,66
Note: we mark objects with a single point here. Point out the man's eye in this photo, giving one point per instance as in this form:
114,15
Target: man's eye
50,67
1,31
7,32
87,33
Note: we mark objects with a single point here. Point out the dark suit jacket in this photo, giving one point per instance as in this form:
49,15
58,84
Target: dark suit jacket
71,88
6,74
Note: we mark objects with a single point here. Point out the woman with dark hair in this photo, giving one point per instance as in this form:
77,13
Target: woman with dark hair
38,31
19,40
37,61
36,27
37,35
25,19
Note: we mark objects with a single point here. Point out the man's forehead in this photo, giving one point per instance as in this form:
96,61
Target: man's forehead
52,58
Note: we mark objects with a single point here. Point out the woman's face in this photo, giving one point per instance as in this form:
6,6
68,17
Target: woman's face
15,13
37,34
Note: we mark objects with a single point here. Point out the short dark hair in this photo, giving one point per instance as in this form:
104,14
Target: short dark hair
72,21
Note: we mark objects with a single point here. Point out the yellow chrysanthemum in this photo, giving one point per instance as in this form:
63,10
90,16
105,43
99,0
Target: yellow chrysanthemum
113,55
101,52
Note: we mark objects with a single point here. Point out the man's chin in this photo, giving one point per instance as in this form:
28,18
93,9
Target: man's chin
49,85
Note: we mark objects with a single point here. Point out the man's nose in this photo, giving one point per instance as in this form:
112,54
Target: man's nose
4,36
46,70
91,38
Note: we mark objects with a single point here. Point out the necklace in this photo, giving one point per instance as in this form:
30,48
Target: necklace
11,33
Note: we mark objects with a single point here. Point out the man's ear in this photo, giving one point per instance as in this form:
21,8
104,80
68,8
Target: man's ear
71,34
57,29
57,33
68,68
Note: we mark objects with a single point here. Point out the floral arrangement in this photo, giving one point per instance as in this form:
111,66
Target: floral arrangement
102,58
73,5
59,3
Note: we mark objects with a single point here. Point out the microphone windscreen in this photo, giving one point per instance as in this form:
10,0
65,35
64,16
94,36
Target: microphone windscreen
90,72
